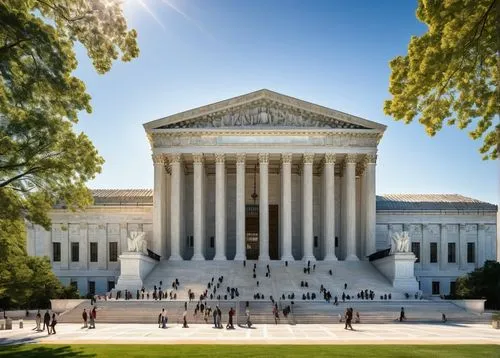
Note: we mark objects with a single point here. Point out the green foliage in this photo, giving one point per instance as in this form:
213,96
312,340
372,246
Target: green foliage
483,282
25,281
451,72
42,160
253,350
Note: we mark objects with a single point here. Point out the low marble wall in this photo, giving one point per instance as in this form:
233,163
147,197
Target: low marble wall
60,306
475,306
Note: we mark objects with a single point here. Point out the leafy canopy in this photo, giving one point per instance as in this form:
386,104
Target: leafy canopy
451,72
483,282
42,160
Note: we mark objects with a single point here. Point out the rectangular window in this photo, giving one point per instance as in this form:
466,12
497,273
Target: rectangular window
451,252
453,287
93,252
92,287
75,252
111,285
434,252
74,284
415,248
435,288
113,251
190,241
316,241
471,252
336,241
212,242
56,251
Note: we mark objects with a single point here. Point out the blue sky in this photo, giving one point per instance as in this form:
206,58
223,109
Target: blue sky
333,53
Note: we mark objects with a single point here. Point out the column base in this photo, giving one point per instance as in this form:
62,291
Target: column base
352,258
330,258
309,258
220,258
264,258
240,257
175,257
198,257
288,258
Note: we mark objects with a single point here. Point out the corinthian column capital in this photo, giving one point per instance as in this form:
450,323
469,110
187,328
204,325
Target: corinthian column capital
263,158
286,158
220,158
174,158
198,158
330,158
240,158
308,158
370,159
159,158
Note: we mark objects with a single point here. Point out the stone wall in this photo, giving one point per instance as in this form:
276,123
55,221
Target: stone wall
442,228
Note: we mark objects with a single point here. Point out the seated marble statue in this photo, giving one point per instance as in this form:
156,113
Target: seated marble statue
400,242
137,242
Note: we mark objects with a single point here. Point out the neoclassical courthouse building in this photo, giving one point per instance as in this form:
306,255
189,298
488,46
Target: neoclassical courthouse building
265,176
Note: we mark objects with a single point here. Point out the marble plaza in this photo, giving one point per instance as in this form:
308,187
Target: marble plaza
262,334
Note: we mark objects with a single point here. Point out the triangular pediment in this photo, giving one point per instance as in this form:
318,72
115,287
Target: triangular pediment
263,109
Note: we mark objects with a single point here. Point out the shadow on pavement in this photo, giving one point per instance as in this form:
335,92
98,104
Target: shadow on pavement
42,351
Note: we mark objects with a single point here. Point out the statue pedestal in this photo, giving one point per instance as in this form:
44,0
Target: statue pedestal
134,267
399,270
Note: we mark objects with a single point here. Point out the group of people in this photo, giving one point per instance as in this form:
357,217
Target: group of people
48,322
89,318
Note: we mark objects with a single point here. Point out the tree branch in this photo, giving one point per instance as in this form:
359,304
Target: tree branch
29,171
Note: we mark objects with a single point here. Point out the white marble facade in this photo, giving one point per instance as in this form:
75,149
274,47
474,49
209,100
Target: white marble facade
316,165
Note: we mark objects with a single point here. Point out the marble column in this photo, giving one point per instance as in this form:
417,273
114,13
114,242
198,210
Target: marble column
159,205
329,207
443,248
220,207
350,206
264,207
175,160
198,208
240,207
481,245
286,210
307,207
370,208
462,247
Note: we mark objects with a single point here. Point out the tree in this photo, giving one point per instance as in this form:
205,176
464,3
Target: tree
451,72
42,160
25,281
483,282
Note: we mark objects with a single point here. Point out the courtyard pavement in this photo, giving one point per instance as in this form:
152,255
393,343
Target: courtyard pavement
404,333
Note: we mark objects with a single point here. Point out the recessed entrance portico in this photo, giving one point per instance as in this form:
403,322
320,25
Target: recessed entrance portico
310,162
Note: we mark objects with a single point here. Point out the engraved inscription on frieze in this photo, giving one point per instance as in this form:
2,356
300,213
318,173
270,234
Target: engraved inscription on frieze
263,115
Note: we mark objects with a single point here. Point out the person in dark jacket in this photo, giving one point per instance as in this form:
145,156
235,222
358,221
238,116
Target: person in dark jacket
46,321
53,323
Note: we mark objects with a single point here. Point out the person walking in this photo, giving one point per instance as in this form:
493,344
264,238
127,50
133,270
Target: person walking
184,319
247,313
53,324
46,321
348,318
402,316
219,318
276,314
230,322
85,318
92,318
38,321
215,316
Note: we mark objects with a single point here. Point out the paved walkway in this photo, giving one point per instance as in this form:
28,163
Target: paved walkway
405,333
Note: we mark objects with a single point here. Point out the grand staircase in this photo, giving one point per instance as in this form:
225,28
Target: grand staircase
284,280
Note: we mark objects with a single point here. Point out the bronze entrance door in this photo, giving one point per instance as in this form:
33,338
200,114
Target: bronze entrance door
252,232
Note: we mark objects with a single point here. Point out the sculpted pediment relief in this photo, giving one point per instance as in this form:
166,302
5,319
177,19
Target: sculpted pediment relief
263,115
